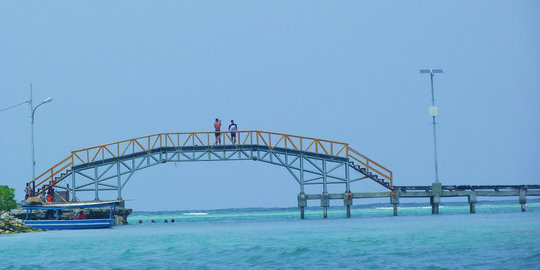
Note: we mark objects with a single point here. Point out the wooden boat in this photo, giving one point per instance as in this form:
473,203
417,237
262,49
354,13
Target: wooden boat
53,215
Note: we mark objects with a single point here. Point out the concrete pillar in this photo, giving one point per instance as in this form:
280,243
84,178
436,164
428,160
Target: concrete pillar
434,204
522,198
302,202
325,202
347,201
394,200
472,201
435,199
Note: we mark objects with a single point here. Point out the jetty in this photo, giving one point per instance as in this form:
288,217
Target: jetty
310,161
434,192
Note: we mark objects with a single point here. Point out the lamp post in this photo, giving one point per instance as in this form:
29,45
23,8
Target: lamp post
433,112
32,112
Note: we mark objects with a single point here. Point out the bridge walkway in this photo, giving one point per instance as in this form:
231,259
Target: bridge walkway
310,161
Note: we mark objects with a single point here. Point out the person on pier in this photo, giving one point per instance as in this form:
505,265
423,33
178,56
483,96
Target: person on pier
50,194
233,127
27,191
217,128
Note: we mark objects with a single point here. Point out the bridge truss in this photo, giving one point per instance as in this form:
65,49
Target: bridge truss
310,161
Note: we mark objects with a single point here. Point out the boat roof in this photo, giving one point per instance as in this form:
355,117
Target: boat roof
70,205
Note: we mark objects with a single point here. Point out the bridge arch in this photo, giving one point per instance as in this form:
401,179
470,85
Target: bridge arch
310,161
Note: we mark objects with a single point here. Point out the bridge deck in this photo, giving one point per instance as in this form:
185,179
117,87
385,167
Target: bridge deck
207,149
243,143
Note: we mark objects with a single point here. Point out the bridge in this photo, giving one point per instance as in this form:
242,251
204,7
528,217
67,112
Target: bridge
310,161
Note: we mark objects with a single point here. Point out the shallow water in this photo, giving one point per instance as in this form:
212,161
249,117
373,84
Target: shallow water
499,236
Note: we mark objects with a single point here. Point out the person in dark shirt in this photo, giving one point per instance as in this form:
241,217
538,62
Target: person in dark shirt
233,127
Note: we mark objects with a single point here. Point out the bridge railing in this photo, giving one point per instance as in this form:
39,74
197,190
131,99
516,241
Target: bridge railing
46,179
209,139
371,166
212,139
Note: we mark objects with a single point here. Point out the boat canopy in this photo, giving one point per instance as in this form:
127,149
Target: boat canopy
70,205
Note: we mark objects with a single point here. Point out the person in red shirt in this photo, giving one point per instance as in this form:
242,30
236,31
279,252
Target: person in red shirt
217,128
50,193
81,215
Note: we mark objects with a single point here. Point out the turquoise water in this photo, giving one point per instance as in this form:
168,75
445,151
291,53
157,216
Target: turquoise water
499,236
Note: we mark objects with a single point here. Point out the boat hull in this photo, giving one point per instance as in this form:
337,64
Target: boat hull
70,224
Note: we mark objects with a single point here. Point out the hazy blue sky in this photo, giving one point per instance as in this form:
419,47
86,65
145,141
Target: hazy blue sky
339,70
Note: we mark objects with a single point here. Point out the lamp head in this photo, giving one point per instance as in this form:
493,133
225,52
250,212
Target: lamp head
431,71
49,99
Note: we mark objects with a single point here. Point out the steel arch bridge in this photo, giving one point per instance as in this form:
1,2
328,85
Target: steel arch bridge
310,161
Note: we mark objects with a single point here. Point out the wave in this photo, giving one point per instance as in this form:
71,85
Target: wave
195,214
533,202
408,207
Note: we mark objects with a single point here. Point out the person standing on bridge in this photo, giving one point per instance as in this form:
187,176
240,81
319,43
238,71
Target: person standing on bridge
233,127
217,128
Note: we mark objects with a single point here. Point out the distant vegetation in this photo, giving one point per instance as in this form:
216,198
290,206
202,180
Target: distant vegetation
7,198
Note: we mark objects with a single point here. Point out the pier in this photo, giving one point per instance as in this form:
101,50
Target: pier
434,192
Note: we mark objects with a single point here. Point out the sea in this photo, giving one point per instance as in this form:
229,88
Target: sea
498,236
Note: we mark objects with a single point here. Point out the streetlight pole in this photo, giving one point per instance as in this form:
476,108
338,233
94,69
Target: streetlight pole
32,138
433,112
32,112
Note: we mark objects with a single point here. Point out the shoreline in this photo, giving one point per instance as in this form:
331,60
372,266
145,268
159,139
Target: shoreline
9,224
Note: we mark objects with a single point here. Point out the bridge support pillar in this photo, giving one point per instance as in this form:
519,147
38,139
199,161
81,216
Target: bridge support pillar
435,204
394,200
119,181
347,201
472,202
435,199
96,188
73,196
522,198
325,202
302,203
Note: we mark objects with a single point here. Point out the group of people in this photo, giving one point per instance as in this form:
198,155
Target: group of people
153,221
232,128
29,192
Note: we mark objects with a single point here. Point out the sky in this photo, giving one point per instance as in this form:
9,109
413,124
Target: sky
344,71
